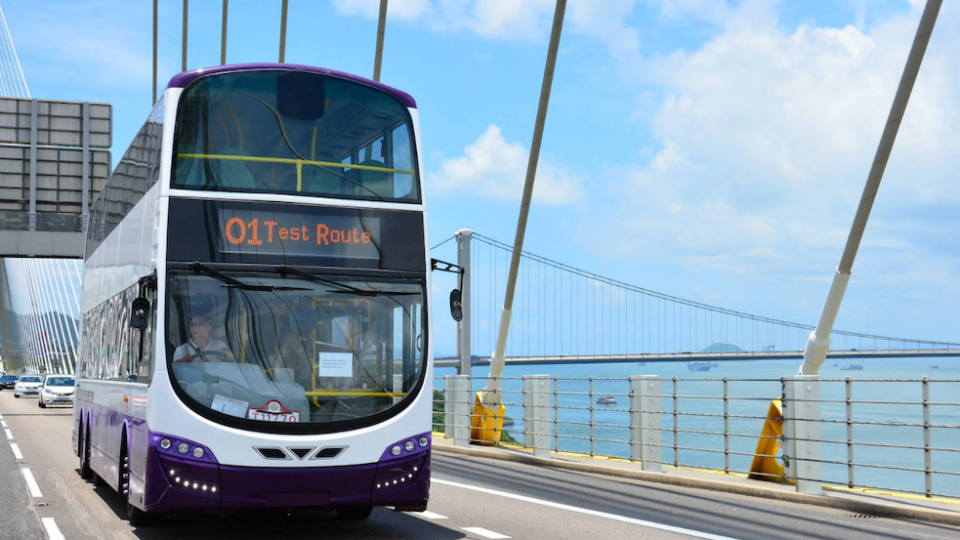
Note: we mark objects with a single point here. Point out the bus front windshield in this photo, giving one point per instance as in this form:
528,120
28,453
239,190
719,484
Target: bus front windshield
294,132
269,348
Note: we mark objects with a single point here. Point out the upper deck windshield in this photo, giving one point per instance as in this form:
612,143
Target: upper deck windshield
271,352
294,132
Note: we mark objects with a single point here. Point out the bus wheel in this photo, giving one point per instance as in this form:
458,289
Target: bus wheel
84,444
136,516
354,513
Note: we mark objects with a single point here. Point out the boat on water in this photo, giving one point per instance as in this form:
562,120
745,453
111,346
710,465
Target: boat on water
606,400
934,366
699,366
641,364
852,366
714,364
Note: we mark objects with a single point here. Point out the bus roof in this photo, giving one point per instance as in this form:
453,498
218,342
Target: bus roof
181,80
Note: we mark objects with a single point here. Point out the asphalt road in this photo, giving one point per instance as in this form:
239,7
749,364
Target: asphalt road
470,498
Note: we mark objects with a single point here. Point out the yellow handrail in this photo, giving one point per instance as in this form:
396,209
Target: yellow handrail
351,393
297,162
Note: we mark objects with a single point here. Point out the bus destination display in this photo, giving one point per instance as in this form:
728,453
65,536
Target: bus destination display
269,232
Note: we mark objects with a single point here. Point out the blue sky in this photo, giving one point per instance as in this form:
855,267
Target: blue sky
706,149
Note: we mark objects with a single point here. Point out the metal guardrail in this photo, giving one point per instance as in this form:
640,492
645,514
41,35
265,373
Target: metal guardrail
898,435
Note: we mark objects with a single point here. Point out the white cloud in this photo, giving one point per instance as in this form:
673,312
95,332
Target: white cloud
767,135
495,169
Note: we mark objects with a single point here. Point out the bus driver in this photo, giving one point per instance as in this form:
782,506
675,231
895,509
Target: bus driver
200,347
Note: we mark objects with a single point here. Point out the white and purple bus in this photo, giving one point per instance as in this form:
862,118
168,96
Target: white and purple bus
256,282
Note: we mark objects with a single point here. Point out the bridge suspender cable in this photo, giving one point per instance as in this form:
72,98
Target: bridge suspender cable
283,30
223,33
819,341
154,52
186,9
381,25
491,394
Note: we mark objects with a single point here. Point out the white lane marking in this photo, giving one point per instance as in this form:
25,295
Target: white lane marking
52,530
16,451
3,423
624,519
1,417
32,483
9,434
431,515
484,533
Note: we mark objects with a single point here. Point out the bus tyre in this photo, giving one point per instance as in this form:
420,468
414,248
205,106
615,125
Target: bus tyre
137,517
354,513
40,404
98,481
84,444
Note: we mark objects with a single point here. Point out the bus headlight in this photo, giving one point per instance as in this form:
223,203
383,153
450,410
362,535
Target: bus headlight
198,452
396,450
424,441
165,444
409,446
183,448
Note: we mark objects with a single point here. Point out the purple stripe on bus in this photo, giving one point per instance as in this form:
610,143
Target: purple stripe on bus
181,80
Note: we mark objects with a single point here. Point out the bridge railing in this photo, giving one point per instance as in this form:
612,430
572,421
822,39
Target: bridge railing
898,435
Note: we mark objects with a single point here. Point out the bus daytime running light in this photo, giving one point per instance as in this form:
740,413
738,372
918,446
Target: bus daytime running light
409,446
183,448
198,452
396,450
423,441
165,444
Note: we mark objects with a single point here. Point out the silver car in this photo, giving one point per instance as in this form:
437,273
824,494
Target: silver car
57,389
28,385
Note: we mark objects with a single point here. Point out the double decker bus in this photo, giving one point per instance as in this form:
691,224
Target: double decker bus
255,331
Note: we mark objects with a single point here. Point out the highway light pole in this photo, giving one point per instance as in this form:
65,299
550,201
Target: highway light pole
491,394
819,342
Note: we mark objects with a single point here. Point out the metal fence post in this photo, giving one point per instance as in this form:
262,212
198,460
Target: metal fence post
726,426
458,406
536,414
851,480
556,414
802,432
646,434
676,440
927,454
591,416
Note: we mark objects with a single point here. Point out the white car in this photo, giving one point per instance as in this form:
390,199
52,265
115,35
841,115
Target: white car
57,389
28,385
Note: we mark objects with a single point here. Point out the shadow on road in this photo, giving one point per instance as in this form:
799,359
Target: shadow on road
296,524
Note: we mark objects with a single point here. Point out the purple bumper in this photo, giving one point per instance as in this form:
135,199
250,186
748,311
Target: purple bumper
184,484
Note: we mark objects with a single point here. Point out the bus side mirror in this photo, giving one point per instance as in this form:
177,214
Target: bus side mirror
138,313
456,307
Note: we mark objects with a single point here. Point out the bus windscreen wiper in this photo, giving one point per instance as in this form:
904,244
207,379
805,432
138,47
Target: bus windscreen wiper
236,283
362,292
343,287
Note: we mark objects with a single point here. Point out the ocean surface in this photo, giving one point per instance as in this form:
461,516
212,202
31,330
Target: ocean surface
751,385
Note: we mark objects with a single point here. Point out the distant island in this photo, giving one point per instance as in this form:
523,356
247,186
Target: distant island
722,348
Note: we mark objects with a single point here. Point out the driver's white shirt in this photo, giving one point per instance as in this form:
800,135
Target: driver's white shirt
191,348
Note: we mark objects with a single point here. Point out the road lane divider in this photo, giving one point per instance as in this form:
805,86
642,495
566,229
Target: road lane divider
16,451
3,423
9,434
32,484
52,530
431,515
486,533
595,513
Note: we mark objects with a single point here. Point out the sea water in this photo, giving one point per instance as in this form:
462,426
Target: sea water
699,423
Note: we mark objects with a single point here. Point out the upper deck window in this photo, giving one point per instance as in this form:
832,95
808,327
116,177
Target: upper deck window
296,133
